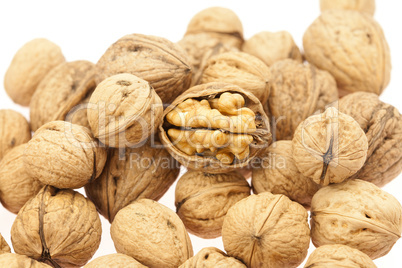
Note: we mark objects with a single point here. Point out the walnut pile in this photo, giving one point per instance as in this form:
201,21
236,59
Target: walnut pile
115,260
367,6
212,258
4,247
10,260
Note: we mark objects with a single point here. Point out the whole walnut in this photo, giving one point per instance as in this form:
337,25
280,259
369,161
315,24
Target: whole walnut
272,47
351,46
382,124
62,89
367,6
202,200
58,227
212,258
329,147
29,66
116,260
267,230
4,247
10,260
131,174
338,256
162,63
297,91
152,234
278,174
64,155
14,131
358,214
16,185
124,111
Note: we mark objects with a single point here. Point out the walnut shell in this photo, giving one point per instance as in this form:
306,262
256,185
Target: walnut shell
297,91
212,258
143,172
10,260
157,60
4,247
272,47
116,260
64,155
367,6
202,200
156,236
358,214
59,227
382,124
329,147
16,185
63,88
29,66
125,110
266,229
351,46
14,131
278,174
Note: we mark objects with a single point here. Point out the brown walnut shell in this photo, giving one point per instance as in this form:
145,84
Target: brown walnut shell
382,124
358,214
157,60
202,200
58,227
116,260
156,236
267,229
367,6
212,258
10,260
4,247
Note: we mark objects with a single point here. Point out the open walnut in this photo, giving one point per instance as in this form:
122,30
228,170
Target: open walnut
382,124
212,258
116,260
215,127
10,260
4,247
367,6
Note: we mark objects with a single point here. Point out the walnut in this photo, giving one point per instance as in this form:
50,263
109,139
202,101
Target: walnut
29,66
4,247
64,155
157,239
63,88
367,6
16,185
382,124
329,147
297,91
116,260
58,227
10,260
215,127
351,46
266,230
212,258
125,110
358,214
143,172
14,131
278,174
202,200
338,256
272,47
157,60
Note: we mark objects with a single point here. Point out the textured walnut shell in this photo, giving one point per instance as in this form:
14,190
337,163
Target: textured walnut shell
272,47
358,214
329,147
262,137
367,6
157,60
16,185
338,256
143,172
29,66
10,260
382,124
4,247
156,236
58,227
351,46
297,91
266,229
278,174
64,155
63,88
14,131
212,258
125,110
116,260
202,200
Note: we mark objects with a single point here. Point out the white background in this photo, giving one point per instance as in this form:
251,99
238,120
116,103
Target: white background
85,29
